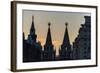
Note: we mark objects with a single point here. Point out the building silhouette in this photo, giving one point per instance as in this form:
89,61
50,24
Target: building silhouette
82,43
33,51
65,50
49,52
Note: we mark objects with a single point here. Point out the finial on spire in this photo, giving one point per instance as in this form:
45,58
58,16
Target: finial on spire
32,18
49,24
66,24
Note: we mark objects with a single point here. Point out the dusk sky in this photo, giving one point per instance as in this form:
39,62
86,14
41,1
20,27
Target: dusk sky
57,20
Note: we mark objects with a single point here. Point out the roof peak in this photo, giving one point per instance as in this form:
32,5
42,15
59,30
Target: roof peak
32,29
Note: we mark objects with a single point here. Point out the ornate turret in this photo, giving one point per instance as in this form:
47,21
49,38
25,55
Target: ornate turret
49,53
65,47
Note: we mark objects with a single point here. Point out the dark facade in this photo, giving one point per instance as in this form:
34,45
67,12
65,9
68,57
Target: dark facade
82,43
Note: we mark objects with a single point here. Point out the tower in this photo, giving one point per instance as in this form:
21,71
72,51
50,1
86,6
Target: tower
32,36
65,49
49,53
33,50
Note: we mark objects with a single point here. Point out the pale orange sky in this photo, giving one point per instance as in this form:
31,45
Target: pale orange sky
57,19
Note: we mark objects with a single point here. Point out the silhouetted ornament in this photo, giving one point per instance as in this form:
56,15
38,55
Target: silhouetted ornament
66,24
49,24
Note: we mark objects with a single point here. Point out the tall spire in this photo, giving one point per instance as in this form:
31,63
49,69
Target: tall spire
66,37
49,52
32,36
65,47
49,39
32,30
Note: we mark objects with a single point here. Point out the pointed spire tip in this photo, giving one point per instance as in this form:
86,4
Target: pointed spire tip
66,24
49,24
32,18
